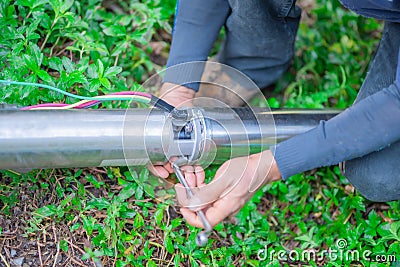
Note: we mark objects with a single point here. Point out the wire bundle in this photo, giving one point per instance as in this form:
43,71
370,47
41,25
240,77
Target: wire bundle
83,104
87,102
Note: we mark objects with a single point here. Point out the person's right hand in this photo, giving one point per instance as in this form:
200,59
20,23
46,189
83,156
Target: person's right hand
178,96
235,182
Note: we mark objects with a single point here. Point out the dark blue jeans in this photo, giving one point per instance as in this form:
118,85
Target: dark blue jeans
260,38
377,175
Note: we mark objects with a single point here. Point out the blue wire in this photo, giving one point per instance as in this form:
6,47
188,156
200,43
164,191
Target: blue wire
61,91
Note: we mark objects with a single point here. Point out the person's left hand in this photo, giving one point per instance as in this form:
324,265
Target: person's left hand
234,184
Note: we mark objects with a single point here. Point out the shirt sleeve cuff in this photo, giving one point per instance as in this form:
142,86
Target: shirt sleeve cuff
289,155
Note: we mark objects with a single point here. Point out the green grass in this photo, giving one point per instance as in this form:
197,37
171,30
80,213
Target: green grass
105,217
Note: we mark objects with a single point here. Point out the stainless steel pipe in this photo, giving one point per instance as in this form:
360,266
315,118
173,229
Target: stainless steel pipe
87,138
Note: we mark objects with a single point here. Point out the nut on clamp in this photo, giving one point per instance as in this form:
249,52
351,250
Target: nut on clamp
189,134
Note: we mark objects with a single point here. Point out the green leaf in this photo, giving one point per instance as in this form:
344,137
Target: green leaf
45,76
46,21
394,229
31,3
94,84
144,175
373,219
98,203
151,263
100,68
388,231
75,227
69,16
35,55
283,188
105,82
88,224
63,245
66,5
139,192
168,244
33,36
27,3
138,222
85,256
126,192
395,249
30,31
357,202
120,263
273,102
149,189
158,216
68,64
56,5
111,72
37,3
31,63
76,77
9,12
92,71
91,179
115,30
130,176
56,64
46,211
119,48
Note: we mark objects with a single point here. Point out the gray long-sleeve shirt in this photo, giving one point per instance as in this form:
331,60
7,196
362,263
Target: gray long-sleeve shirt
368,126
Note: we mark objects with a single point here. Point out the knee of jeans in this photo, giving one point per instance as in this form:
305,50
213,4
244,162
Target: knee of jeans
377,175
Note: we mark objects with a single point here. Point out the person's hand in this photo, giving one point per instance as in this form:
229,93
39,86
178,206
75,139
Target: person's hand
234,184
177,96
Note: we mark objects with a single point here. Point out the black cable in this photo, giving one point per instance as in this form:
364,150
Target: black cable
175,113
161,104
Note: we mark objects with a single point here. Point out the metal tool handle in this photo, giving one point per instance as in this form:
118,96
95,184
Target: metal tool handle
202,237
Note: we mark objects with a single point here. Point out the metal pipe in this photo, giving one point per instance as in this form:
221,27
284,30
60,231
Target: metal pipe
88,138
242,131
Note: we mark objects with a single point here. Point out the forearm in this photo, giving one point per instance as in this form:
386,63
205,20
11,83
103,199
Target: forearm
197,26
368,126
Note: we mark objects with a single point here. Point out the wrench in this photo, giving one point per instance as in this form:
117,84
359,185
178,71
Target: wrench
202,237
